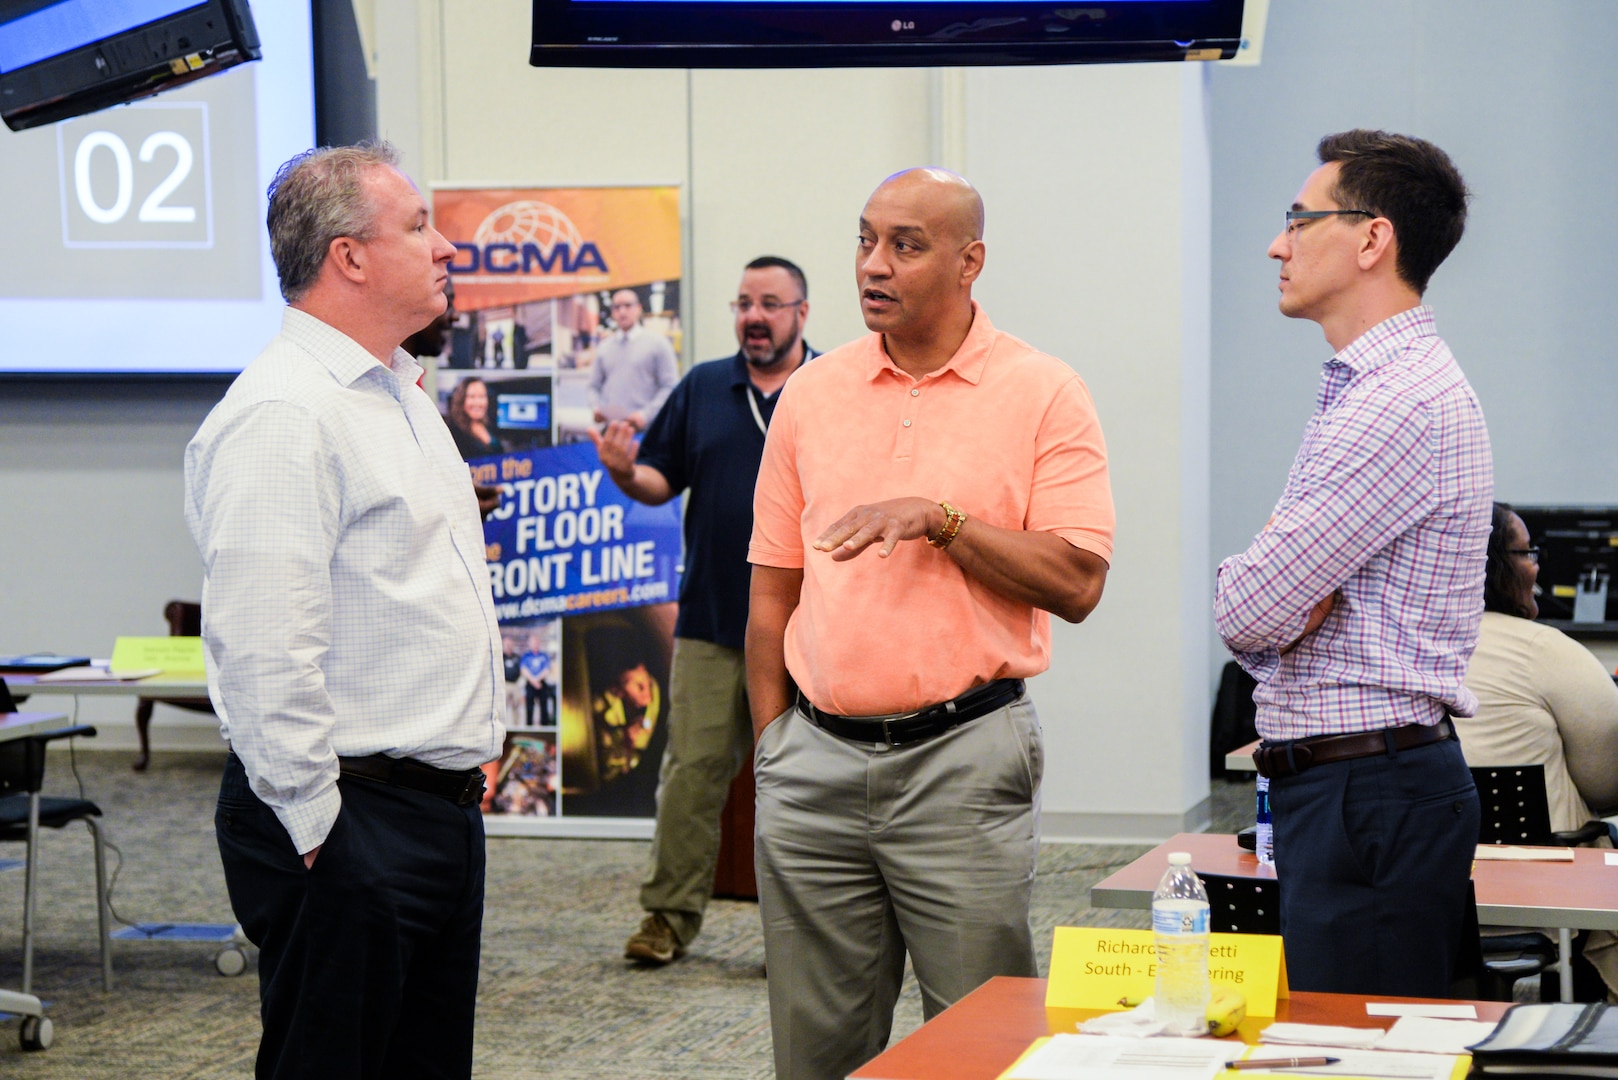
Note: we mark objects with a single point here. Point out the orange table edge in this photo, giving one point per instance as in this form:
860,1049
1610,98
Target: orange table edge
982,1034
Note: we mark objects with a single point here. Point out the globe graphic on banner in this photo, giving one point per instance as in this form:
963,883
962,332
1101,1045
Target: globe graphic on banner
525,221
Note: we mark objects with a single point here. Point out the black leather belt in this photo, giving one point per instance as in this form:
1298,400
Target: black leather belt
461,788
1292,758
922,724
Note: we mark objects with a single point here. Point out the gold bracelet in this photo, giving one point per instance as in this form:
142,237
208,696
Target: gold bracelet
953,520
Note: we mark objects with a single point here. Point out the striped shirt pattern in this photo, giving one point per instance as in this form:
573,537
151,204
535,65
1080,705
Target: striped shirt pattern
1388,500
346,604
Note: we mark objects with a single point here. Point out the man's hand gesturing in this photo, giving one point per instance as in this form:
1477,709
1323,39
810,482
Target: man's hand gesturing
888,522
617,448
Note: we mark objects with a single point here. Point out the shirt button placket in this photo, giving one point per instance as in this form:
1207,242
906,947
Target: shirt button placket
907,425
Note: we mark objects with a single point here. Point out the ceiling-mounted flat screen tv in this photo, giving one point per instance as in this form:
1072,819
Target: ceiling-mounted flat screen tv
134,235
881,33
65,58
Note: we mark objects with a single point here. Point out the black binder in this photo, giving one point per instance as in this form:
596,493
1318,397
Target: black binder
1551,1040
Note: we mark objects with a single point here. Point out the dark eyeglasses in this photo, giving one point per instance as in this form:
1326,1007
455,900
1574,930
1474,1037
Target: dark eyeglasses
1529,553
1296,219
769,305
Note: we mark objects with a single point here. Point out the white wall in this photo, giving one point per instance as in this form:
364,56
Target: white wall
1095,179
1522,97
95,541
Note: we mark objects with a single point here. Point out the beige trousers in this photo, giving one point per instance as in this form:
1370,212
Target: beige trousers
866,852
710,732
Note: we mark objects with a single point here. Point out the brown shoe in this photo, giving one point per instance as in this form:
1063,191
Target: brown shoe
654,943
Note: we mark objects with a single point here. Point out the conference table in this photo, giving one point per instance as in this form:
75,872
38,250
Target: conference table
979,1036
36,1029
163,686
1581,894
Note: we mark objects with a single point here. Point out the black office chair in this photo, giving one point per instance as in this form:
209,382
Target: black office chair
24,811
1242,905
1516,810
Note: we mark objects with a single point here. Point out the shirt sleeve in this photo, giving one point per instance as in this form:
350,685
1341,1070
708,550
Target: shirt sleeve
1363,477
1071,494
264,506
1581,696
664,445
778,501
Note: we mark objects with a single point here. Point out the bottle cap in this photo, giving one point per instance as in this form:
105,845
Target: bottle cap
1179,858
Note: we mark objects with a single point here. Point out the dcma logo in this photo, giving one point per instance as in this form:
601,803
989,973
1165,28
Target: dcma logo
527,237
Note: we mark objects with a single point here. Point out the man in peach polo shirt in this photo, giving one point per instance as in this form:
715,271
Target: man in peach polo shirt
929,494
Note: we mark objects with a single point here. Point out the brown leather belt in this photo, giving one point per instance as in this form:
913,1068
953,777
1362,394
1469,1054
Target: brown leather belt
461,788
922,724
1292,758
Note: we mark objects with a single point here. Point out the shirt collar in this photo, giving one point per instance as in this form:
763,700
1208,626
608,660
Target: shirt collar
1381,342
968,362
345,358
739,375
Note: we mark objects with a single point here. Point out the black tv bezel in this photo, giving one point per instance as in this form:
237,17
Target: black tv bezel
738,34
130,65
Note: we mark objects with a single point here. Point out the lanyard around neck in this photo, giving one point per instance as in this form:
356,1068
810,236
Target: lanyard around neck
758,417
753,392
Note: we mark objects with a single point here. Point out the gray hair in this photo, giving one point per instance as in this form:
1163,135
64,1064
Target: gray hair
315,198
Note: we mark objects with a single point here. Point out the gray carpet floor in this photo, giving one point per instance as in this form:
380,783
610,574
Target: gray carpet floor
556,999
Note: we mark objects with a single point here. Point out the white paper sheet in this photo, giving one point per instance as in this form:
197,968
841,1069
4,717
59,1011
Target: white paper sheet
1321,1035
1100,1057
1431,1035
1445,1012
1507,853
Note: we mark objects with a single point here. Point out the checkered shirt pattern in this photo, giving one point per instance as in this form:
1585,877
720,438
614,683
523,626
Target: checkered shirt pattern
1388,500
346,604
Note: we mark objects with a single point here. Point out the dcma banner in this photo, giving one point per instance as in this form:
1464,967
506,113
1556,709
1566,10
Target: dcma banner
565,540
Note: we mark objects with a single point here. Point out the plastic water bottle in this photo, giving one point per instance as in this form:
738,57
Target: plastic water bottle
1180,922
1265,833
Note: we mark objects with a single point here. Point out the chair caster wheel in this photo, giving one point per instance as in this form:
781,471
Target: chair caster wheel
231,962
37,1033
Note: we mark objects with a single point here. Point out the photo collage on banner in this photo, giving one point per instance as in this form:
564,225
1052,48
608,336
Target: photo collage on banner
584,579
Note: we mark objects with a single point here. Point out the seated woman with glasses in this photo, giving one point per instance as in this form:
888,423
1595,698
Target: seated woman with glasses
1543,699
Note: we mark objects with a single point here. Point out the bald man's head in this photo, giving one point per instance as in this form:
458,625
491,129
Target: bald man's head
951,194
920,250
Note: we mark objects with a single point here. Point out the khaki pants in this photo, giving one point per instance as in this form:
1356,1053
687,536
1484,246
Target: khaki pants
865,852
710,732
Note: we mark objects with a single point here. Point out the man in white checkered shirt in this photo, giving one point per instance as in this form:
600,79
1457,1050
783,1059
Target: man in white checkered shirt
352,649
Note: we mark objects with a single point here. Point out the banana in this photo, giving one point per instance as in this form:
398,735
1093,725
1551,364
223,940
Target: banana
1227,1008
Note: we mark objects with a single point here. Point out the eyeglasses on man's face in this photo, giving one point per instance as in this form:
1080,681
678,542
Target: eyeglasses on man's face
1297,219
769,305
1529,553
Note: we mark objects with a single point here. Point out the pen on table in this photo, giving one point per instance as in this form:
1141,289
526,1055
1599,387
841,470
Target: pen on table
1283,1063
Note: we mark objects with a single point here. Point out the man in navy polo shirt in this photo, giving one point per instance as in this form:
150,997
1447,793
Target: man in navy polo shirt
708,437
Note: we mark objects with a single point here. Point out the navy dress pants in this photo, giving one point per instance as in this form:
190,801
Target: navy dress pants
368,962
1373,856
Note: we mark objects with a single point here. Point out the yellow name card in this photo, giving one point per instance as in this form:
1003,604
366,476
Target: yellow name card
1097,968
170,655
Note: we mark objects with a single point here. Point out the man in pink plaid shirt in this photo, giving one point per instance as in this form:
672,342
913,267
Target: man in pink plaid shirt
1357,607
